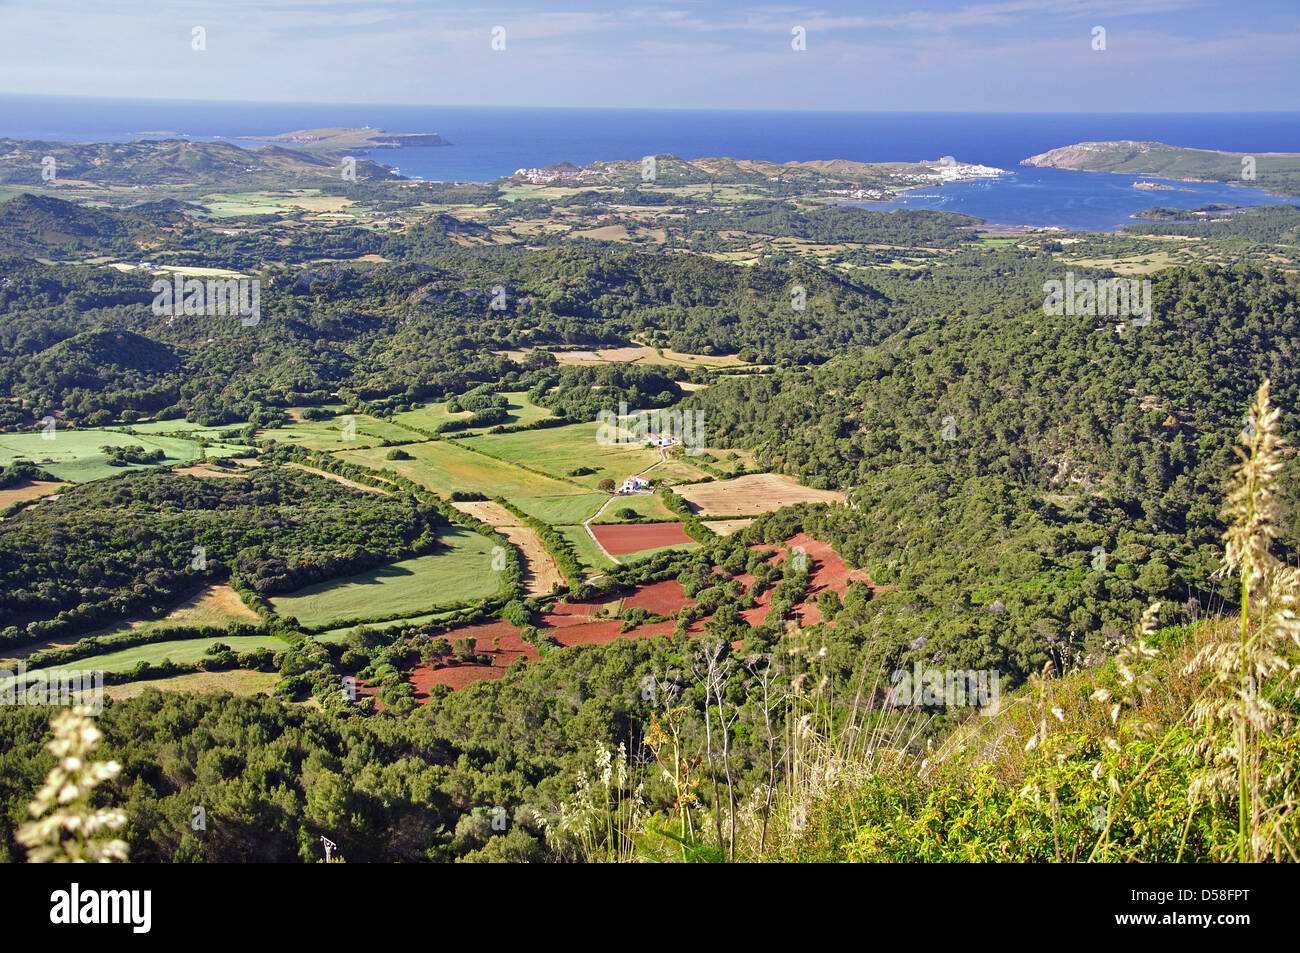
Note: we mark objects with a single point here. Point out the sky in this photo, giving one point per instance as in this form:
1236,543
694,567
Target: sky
1004,55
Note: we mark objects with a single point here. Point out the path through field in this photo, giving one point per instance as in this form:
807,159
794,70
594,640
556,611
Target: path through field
541,572
663,458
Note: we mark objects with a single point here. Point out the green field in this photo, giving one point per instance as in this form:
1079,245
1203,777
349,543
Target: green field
560,510
559,450
520,411
444,467
588,554
228,204
329,434
647,506
341,633
444,578
180,651
180,425
74,455
641,554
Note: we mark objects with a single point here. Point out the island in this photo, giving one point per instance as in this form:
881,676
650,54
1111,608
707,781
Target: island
340,139
1163,213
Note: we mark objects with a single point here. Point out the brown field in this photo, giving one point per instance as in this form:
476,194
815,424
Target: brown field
752,494
236,681
216,605
637,354
541,572
29,491
22,651
727,527
622,538
338,479
604,233
564,614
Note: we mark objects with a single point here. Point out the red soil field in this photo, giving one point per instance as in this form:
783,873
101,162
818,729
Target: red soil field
827,571
620,538
576,623
509,648
574,613
454,676
600,633
659,598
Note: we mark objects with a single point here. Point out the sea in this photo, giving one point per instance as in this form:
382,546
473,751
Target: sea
489,142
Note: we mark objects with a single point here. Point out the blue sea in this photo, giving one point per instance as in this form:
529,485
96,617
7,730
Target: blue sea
491,142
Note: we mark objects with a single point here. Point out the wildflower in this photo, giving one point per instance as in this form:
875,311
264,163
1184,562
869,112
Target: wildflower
64,829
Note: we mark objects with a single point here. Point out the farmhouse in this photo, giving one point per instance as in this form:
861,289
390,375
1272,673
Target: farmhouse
636,484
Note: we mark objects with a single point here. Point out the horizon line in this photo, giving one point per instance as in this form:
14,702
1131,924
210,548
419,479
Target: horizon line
700,109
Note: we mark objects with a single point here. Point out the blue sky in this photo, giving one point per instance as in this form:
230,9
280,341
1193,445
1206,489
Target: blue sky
1014,55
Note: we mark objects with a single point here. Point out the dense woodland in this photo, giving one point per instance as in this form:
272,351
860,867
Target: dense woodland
138,543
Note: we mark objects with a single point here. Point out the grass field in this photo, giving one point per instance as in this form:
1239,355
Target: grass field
519,411
228,204
330,434
180,425
629,558
649,506
560,510
444,467
74,455
588,554
444,578
180,651
341,633
559,450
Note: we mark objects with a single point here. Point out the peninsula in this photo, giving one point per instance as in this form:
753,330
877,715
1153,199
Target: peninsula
1277,172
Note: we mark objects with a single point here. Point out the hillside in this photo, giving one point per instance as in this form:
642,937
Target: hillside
1277,172
172,162
41,225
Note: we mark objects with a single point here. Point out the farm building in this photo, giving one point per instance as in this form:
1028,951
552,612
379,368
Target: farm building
636,484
